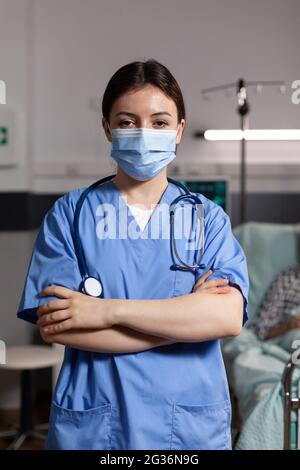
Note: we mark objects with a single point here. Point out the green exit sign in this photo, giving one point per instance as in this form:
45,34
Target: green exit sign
3,135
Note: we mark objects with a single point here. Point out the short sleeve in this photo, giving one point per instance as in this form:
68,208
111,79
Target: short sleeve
53,260
224,255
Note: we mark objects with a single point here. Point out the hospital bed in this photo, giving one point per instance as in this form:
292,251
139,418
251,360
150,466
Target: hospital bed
291,406
262,375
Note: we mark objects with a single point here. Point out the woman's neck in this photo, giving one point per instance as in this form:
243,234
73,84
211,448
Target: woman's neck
146,193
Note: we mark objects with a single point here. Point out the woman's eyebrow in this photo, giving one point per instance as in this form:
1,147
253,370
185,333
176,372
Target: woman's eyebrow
126,112
161,112
134,115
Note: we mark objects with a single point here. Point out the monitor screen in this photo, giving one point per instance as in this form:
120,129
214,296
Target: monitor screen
216,190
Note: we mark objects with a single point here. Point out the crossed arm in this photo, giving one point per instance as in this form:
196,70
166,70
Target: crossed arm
125,325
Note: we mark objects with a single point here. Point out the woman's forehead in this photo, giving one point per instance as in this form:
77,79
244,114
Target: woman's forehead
149,99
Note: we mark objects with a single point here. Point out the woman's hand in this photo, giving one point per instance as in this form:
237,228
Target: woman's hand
211,286
72,310
48,337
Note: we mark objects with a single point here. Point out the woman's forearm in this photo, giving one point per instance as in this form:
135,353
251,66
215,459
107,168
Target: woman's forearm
118,339
199,316
193,317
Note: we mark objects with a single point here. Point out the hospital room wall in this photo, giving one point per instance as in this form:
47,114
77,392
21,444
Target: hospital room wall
15,182
204,43
56,57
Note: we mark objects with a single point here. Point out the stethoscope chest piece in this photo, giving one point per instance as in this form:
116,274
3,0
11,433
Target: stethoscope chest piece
92,286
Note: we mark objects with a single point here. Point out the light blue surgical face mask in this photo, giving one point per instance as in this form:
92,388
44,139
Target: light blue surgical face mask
142,152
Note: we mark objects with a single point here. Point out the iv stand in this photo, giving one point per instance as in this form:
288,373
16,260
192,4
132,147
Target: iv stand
243,110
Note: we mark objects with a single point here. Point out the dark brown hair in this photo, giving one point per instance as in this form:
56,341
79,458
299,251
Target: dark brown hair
138,74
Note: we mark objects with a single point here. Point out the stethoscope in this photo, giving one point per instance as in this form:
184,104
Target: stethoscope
91,285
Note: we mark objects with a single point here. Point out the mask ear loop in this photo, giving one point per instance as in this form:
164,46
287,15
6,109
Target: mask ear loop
110,129
176,138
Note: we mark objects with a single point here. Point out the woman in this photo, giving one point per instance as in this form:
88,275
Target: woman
143,367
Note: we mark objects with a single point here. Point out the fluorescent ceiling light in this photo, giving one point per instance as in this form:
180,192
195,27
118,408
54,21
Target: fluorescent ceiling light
252,134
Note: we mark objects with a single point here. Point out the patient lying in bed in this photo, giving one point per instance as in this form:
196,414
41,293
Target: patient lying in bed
279,311
256,360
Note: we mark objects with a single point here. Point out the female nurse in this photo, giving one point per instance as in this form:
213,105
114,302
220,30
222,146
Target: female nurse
142,367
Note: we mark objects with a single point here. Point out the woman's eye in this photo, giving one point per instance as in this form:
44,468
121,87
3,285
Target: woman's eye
125,123
161,123
157,124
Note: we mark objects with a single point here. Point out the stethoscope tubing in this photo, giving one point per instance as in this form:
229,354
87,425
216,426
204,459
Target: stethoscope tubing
77,241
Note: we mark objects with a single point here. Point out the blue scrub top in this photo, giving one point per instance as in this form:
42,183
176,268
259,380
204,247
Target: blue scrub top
169,397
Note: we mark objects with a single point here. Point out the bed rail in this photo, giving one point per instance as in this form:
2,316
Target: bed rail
290,403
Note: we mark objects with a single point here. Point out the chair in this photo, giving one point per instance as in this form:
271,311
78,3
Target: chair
26,359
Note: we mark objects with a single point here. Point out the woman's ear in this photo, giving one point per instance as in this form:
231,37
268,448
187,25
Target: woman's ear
181,127
107,130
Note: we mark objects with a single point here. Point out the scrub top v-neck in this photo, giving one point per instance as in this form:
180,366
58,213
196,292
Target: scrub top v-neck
141,216
169,397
